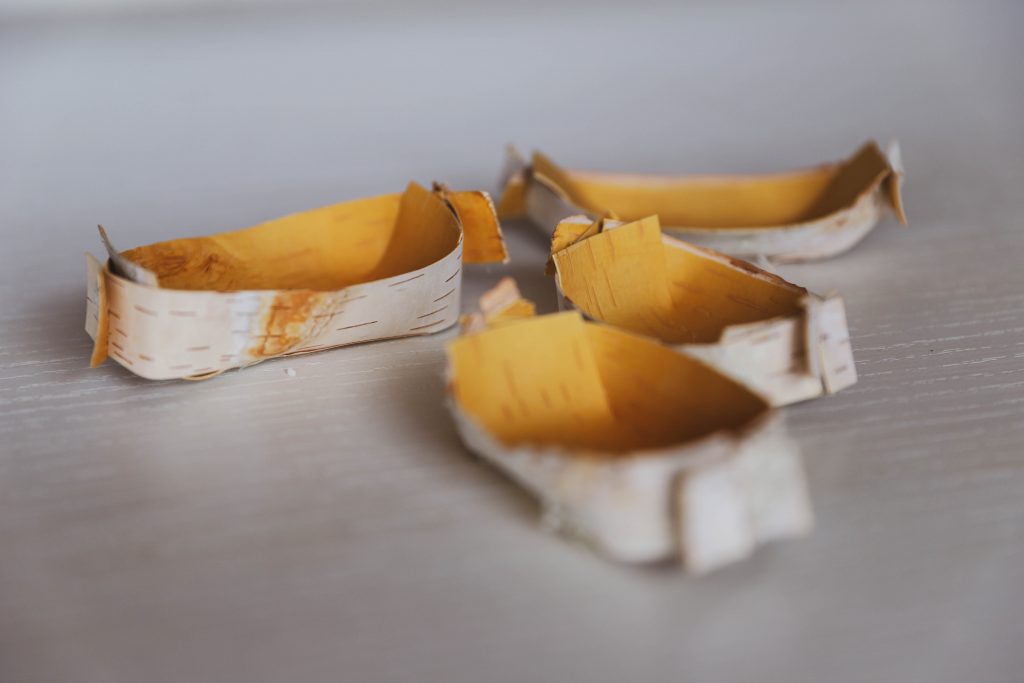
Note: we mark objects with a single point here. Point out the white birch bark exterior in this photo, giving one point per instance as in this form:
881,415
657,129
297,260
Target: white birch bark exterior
161,333
708,503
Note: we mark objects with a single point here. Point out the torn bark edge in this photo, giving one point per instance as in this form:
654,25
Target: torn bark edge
894,181
545,206
97,321
482,238
512,184
119,265
833,349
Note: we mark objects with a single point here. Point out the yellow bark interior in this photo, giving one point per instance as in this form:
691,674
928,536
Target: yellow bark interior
328,248
482,241
559,381
723,201
633,277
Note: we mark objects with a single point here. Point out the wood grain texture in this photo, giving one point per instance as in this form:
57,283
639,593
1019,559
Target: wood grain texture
330,526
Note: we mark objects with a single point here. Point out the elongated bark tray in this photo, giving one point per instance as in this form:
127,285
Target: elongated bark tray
642,452
775,337
364,270
792,216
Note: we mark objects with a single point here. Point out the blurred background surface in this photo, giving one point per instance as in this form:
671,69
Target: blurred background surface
330,526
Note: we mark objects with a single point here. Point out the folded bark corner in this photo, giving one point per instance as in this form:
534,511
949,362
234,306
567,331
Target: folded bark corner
364,270
800,215
500,304
644,453
778,339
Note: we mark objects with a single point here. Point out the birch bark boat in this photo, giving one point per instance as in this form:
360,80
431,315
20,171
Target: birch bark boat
643,453
773,336
801,215
359,271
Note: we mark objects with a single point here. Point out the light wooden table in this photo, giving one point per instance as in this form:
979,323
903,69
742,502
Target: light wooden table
329,526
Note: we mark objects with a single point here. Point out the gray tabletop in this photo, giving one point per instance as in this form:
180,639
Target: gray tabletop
329,525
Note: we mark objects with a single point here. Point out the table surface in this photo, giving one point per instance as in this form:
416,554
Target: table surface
329,525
